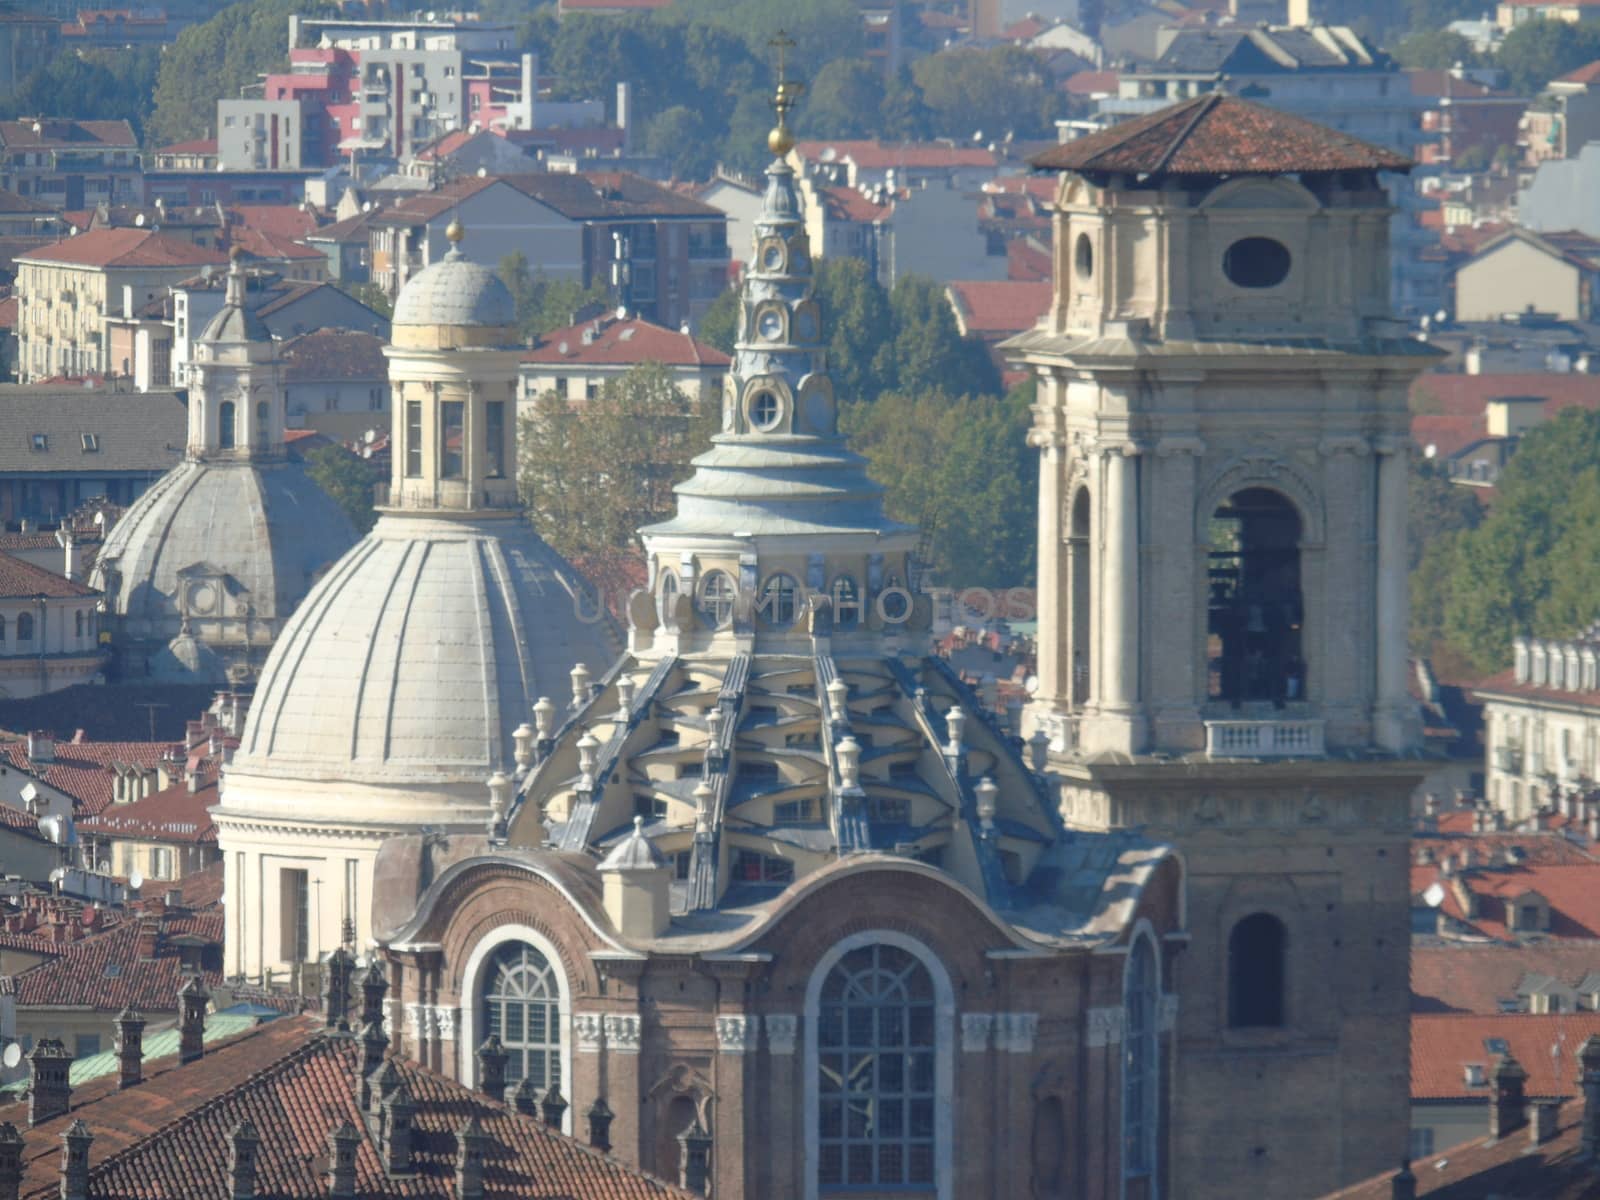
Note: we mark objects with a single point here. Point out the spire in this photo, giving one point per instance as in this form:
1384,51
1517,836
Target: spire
780,141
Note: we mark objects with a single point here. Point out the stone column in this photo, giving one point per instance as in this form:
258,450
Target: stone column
1054,605
1392,717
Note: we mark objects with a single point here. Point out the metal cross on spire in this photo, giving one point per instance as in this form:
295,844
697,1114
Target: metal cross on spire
780,141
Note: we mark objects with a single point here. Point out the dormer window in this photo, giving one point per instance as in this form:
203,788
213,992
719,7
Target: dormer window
41,442
91,443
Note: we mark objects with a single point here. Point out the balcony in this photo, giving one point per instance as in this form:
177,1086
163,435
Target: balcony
1508,758
1264,739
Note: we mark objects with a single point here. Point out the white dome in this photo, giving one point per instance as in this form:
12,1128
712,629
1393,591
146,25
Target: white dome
416,657
457,292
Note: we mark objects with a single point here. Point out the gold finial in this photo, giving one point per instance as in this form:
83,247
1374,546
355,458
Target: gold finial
455,231
780,141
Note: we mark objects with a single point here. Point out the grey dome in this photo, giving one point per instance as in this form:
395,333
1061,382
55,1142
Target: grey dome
264,530
235,323
455,291
416,657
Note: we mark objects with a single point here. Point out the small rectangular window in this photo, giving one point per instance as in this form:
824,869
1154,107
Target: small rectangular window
91,442
294,915
41,441
452,417
413,439
494,430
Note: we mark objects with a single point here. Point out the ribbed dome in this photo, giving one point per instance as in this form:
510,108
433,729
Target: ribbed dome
455,291
266,528
236,323
418,655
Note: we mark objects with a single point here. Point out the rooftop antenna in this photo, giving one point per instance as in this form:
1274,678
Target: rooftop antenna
150,706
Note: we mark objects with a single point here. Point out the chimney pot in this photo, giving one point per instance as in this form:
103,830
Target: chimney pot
492,1058
130,1047
553,1106
336,990
1403,1184
469,1160
600,1117
11,1147
75,1161
399,1113
342,1144
49,1093
193,999
244,1143
1545,1116
1507,1109
526,1097
374,986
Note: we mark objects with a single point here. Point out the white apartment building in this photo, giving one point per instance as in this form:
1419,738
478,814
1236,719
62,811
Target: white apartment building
1541,723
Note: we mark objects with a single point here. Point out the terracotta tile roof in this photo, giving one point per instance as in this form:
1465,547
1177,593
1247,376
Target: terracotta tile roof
621,343
1451,977
294,1086
331,354
1219,135
174,814
19,578
1588,73
125,248
1505,684
1092,83
449,144
351,229
1028,260
1539,849
53,132
1507,1169
999,308
280,220
1450,411
82,770
848,204
1571,890
1025,30
875,156
259,243
197,889
192,146
10,202
1443,1045
105,971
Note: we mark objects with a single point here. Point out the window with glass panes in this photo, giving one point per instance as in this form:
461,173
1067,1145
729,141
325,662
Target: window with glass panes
522,1004
1139,1063
875,1060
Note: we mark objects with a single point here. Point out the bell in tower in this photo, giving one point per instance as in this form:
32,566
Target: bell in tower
1223,433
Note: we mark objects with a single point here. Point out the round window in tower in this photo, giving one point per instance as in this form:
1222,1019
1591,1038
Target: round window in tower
1256,262
772,257
1083,256
770,324
765,410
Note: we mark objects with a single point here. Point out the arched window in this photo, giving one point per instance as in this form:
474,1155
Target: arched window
716,599
1254,606
669,594
846,603
1081,596
225,425
876,1071
1256,975
522,1004
780,599
25,627
1141,1074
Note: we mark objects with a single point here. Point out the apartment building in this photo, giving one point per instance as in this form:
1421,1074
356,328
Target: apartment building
71,164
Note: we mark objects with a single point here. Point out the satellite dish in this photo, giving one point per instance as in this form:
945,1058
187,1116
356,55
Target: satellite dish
12,1056
1434,896
135,881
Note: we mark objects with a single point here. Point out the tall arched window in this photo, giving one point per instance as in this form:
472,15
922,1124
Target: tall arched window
225,425
1141,1072
876,1049
25,627
780,599
78,622
1256,975
1080,597
522,1004
1254,606
669,596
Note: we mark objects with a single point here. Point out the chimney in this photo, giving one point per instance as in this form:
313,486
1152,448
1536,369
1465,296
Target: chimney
374,1045
600,1116
130,1047
11,1148
625,114
244,1142
553,1106
374,985
1507,1107
149,936
470,1143
1545,1121
192,1002
398,1114
492,1058
173,898
49,1093
1403,1184
72,564
694,1157
336,990
75,1161
377,1087
41,747
342,1143
525,1099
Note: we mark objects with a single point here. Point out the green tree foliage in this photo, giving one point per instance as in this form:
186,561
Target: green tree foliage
544,304
996,91
719,324
855,313
929,352
370,294
1533,563
348,478
592,473
960,468
96,84
1434,49
846,100
679,135
213,60
1438,508
1536,52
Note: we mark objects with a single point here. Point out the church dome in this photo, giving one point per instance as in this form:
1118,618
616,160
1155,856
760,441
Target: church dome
415,659
453,293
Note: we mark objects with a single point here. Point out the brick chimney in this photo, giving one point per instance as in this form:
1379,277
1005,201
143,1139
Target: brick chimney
470,1143
600,1117
553,1106
374,986
49,1093
11,1148
1589,1080
492,1058
244,1143
75,1144
1507,1108
192,1002
336,990
1544,1121
1403,1184
374,1045
399,1113
525,1099
149,937
342,1144
130,1047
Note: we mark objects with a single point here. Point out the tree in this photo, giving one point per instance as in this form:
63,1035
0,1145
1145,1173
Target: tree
348,478
846,100
1434,49
719,324
593,473
1438,508
1537,51
855,313
103,85
929,352
993,92
368,293
679,135
545,304
960,468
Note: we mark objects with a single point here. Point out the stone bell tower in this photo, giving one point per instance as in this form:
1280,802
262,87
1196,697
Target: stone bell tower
1222,426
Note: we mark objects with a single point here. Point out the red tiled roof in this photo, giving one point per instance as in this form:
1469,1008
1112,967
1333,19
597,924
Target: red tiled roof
1572,891
1092,83
174,814
330,354
1450,411
192,146
1025,30
19,578
992,308
82,770
52,131
622,343
1442,1045
1505,684
197,889
1475,978
1216,134
874,156
104,971
125,248
449,144
280,220
1028,261
848,204
1456,834
257,243
1588,73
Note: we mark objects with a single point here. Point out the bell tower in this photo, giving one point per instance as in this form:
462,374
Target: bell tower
236,407
1223,433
